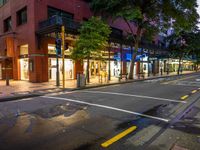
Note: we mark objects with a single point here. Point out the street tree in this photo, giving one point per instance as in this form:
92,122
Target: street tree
94,35
178,48
149,17
194,46
184,45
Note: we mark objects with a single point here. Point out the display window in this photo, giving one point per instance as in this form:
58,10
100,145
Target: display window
24,69
69,69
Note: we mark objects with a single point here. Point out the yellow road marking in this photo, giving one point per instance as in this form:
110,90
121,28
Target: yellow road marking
118,137
184,97
178,80
194,91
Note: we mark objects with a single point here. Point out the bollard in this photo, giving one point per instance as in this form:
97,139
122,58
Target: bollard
78,80
7,81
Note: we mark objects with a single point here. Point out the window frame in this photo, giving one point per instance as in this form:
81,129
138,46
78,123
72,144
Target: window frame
7,25
3,2
20,20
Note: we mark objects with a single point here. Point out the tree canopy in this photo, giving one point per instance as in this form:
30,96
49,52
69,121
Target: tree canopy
149,17
94,35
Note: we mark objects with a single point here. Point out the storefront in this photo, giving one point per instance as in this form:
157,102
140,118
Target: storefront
52,65
24,62
24,69
115,67
188,65
69,69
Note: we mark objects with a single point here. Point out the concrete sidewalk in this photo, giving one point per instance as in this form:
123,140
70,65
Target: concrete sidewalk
184,134
25,88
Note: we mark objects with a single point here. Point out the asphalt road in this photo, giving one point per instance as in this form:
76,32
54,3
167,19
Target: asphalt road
85,119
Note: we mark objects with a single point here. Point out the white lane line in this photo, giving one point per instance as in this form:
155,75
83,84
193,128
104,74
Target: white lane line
107,107
130,95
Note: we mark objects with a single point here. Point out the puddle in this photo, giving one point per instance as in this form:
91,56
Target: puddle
65,109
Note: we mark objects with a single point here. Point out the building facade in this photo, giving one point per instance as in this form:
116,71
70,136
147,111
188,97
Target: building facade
28,29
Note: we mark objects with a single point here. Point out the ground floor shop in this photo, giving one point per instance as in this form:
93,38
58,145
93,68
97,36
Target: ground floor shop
23,63
69,68
24,68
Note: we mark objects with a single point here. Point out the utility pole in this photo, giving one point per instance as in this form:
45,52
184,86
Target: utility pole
63,54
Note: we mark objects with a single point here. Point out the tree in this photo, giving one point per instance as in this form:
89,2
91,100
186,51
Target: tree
149,16
178,48
183,45
194,46
94,35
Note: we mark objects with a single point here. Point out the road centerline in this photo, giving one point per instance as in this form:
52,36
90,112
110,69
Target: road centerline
132,95
107,107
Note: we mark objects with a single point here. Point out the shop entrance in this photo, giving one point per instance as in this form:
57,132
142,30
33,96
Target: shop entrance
96,68
69,69
24,73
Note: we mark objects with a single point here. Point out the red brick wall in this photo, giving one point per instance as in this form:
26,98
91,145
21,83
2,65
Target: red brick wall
26,34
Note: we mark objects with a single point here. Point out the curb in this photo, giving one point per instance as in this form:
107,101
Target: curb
31,95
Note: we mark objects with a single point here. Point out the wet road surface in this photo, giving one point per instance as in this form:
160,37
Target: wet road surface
83,120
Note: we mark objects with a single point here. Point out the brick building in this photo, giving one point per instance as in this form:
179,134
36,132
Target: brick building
27,39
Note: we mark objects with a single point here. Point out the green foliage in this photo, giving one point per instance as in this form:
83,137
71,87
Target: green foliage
94,35
184,13
191,45
152,16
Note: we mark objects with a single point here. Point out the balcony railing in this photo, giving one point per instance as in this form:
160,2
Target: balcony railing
58,21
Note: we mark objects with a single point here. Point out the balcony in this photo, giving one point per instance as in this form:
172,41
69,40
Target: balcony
54,24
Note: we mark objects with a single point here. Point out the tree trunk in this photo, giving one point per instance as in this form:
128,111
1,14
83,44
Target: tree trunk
179,65
137,41
109,71
132,65
87,71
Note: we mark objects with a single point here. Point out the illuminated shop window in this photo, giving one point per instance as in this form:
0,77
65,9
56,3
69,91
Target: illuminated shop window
24,49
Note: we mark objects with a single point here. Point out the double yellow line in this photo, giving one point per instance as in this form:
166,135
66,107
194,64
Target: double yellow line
118,137
186,96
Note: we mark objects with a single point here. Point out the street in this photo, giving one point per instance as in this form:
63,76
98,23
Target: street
156,114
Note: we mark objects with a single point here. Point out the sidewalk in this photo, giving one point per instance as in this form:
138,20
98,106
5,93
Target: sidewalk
183,135
17,88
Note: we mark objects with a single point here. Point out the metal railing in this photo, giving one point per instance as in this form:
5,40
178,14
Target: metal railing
57,20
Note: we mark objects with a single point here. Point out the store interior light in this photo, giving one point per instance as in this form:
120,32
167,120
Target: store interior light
51,47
